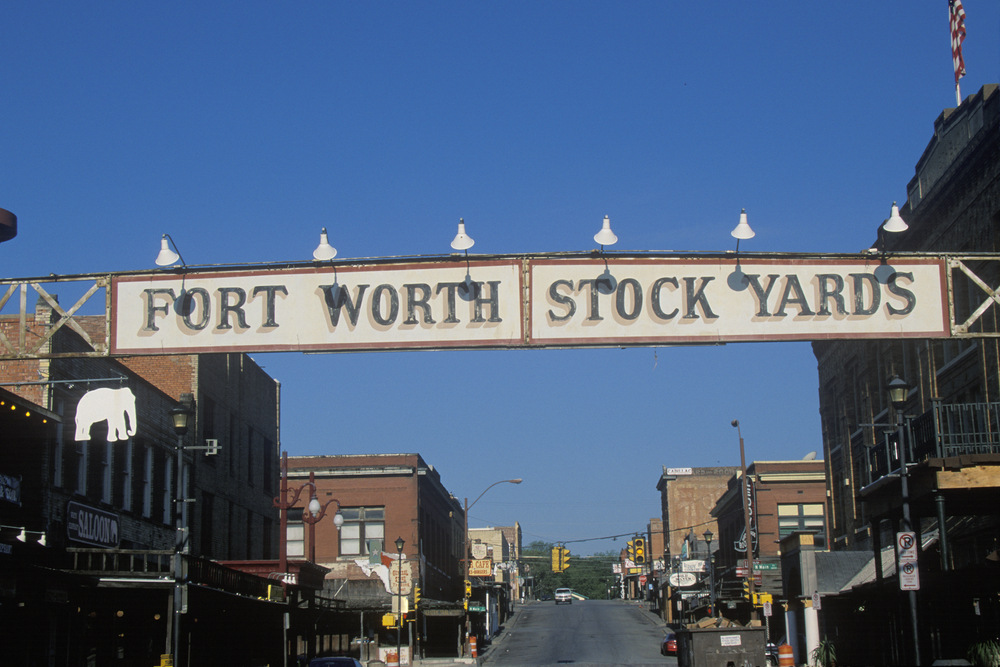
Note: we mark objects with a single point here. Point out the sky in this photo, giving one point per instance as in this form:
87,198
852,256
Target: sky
242,128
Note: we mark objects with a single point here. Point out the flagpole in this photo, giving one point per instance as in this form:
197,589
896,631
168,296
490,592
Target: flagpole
958,95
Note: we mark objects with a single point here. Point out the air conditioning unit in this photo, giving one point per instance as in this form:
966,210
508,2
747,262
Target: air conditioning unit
211,447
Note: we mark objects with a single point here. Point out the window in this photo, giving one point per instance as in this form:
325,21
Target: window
207,520
363,531
296,534
147,482
168,484
806,516
106,472
123,490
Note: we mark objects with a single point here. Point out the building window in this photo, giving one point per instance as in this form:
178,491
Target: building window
124,481
147,482
802,517
207,519
168,484
363,531
296,533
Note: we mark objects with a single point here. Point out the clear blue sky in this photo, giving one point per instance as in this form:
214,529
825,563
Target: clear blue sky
242,128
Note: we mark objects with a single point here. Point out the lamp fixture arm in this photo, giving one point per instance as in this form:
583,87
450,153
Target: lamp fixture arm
502,481
307,515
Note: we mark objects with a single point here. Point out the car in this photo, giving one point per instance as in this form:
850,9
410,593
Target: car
669,644
564,595
334,661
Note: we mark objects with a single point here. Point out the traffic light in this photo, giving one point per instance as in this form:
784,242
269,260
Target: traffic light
556,559
639,545
746,590
416,596
468,588
563,559
631,551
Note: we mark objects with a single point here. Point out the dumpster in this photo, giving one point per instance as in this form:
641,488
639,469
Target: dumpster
721,647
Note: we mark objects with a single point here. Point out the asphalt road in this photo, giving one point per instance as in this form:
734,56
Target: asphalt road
589,632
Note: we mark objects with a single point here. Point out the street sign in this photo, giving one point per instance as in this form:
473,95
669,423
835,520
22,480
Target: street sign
642,580
817,605
909,576
906,546
767,608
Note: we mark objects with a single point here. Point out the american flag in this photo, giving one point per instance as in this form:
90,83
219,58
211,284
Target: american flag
957,20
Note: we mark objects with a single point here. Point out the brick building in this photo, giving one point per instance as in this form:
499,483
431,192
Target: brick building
105,502
951,442
383,497
687,496
788,497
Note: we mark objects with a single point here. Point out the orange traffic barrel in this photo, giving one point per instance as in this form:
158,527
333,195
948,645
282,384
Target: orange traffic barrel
472,647
786,656
392,659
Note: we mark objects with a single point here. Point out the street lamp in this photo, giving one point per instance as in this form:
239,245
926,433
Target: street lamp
467,583
898,390
315,514
180,416
711,570
399,600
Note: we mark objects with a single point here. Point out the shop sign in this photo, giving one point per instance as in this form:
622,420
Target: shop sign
10,489
92,526
480,568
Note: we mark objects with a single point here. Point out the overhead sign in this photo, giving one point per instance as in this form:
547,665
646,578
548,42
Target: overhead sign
526,302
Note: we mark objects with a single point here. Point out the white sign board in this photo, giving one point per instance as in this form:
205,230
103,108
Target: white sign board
651,301
906,546
525,302
693,566
730,640
682,579
679,471
909,576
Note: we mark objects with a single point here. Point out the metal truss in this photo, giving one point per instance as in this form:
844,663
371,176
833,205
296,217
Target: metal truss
972,288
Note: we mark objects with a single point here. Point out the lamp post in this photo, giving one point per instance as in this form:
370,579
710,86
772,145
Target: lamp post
711,571
898,389
746,518
467,583
312,517
399,600
180,417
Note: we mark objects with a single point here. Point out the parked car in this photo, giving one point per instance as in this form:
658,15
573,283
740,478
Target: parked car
335,661
669,644
564,595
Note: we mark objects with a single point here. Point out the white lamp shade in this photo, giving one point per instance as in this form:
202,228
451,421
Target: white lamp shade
314,506
462,240
324,250
895,223
338,519
743,230
166,256
606,236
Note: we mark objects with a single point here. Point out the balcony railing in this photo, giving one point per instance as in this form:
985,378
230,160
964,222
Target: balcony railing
947,430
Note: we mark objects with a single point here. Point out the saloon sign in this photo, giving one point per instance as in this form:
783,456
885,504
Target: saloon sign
527,302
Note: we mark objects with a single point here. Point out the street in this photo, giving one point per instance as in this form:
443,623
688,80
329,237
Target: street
585,632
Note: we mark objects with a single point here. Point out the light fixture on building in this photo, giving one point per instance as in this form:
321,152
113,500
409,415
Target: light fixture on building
898,390
462,241
168,256
324,250
180,417
895,223
742,230
606,236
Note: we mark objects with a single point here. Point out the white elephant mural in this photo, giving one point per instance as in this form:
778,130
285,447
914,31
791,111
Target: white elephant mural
112,405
